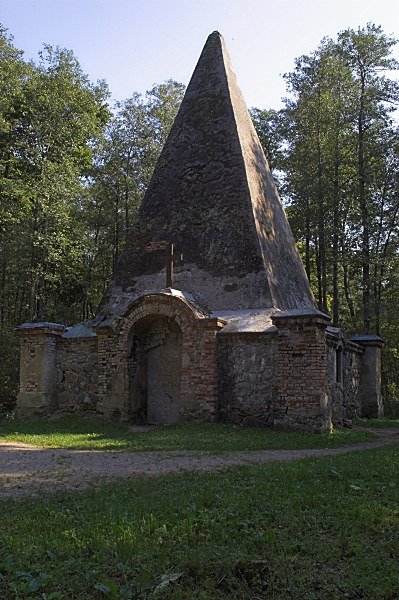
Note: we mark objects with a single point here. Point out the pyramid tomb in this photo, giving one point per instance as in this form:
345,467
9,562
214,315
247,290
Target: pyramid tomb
209,314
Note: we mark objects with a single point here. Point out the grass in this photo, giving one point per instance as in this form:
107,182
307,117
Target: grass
84,434
378,422
318,529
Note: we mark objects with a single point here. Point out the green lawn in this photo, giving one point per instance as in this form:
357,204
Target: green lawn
318,529
378,422
78,433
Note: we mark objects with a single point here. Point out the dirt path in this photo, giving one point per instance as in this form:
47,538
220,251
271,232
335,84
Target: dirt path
31,470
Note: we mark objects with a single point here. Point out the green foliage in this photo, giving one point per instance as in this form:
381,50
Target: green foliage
49,114
268,124
315,529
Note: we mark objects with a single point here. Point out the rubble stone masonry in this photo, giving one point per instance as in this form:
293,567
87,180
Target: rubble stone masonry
247,378
77,387
344,363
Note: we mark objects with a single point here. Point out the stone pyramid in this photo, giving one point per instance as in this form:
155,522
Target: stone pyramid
213,197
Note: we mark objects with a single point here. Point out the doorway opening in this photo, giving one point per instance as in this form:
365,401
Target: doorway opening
154,366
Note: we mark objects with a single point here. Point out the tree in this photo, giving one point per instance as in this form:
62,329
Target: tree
367,53
317,139
337,168
125,158
50,113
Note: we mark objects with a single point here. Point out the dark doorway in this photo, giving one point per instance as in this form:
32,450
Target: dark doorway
154,370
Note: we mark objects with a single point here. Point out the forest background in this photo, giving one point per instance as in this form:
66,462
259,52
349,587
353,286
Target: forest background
74,167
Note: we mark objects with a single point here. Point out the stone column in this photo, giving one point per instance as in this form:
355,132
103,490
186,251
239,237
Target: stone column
302,397
370,375
37,395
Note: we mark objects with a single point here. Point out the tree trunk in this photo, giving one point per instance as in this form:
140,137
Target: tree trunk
364,214
336,234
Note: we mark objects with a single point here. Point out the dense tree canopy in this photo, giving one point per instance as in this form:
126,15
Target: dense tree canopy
74,168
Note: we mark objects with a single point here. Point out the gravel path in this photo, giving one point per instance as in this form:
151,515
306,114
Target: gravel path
31,470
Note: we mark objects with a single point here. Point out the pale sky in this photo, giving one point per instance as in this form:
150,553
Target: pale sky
136,43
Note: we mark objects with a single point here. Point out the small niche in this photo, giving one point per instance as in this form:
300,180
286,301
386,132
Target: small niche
339,365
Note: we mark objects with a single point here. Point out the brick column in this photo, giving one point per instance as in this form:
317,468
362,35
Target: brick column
370,375
199,382
302,396
37,395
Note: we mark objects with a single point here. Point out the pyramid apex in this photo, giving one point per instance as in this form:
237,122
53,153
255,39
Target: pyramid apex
214,40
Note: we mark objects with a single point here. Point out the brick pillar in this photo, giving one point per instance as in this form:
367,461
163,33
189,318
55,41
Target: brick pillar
302,397
370,375
199,382
37,392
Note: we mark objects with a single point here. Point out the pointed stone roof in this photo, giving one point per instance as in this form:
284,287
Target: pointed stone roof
213,196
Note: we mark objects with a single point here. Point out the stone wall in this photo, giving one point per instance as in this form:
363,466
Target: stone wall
352,371
113,376
370,375
294,373
37,392
77,370
343,384
247,378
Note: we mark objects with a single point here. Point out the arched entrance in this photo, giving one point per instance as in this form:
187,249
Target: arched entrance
154,368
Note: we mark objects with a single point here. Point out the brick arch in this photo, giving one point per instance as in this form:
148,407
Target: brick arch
198,357
165,305
136,386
